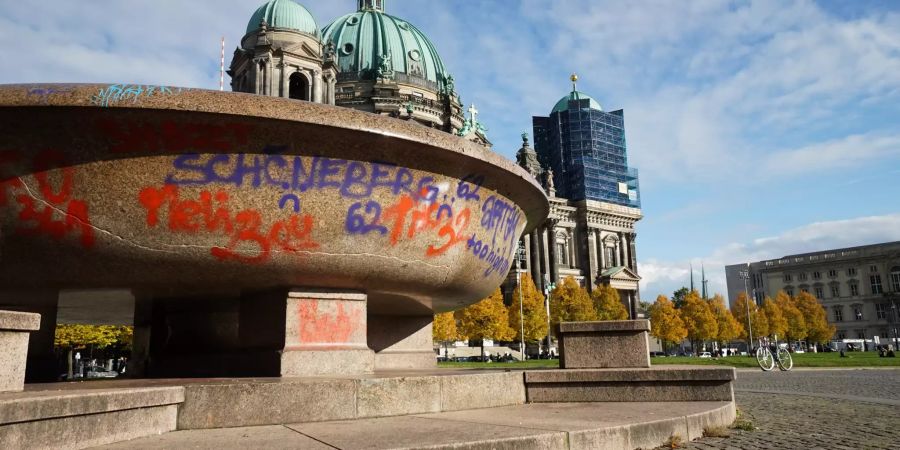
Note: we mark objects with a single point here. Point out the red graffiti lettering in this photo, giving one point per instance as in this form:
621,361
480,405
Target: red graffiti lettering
426,216
322,327
173,137
249,239
39,215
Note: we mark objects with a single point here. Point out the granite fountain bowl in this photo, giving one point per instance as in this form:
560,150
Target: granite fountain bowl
174,191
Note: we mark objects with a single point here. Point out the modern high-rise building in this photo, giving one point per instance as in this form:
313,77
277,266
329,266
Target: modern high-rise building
859,287
580,157
585,148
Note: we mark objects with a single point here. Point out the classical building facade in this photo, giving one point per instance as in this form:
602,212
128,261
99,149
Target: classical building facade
580,158
367,60
859,287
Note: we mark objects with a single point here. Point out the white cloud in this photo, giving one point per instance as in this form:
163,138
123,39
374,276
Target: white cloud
664,277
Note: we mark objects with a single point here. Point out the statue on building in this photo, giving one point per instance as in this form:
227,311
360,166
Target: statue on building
449,86
329,51
385,67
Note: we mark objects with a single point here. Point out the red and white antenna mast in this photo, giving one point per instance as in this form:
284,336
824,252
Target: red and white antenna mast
222,67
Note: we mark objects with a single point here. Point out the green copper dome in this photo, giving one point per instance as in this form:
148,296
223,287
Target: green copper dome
563,103
362,39
284,14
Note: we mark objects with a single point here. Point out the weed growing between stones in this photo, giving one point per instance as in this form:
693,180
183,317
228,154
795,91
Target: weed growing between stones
719,432
675,441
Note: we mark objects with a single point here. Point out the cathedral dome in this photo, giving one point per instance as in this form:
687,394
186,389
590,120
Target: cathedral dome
563,103
362,39
285,14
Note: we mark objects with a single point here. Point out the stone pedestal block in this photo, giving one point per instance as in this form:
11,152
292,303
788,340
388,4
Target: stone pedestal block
608,344
325,334
14,330
402,342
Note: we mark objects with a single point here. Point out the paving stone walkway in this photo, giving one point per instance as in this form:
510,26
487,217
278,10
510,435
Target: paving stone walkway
821,409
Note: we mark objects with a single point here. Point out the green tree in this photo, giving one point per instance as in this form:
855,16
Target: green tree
797,329
665,322
699,320
678,297
71,337
532,309
487,319
778,325
819,331
728,327
444,329
569,302
608,303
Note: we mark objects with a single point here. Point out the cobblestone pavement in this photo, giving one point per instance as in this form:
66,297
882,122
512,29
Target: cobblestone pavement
815,409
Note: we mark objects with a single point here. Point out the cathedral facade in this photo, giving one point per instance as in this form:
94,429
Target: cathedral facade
366,60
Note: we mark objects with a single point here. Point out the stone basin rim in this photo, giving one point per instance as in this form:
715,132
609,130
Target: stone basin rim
534,204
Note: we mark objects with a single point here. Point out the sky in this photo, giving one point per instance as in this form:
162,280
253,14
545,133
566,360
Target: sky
761,128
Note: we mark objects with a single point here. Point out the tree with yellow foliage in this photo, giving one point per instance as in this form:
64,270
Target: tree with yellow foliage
444,329
532,309
70,337
608,303
699,320
819,331
729,328
758,322
487,319
665,322
775,318
797,329
569,302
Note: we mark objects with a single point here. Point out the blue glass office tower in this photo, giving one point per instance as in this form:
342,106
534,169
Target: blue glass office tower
585,147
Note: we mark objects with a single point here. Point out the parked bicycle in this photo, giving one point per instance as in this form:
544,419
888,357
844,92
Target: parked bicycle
768,354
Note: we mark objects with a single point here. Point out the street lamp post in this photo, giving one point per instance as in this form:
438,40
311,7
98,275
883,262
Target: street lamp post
519,257
547,290
745,274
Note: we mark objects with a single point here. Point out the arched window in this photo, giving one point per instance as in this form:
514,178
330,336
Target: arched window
299,87
895,278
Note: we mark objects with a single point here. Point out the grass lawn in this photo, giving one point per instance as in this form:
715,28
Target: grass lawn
854,359
516,365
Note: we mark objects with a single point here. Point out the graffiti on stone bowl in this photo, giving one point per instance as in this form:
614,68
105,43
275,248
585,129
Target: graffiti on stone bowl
50,209
130,93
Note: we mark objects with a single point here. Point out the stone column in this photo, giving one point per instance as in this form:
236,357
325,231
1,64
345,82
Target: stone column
544,252
42,365
551,245
14,329
621,261
535,262
285,80
316,86
402,342
591,259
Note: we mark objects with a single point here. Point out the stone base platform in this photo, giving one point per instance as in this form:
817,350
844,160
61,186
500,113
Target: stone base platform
593,426
390,409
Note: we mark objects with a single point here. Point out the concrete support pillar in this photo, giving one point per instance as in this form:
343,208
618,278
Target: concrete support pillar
402,342
14,330
325,334
41,365
140,342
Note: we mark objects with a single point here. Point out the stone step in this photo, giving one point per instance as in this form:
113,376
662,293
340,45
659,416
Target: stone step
654,384
80,418
594,426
